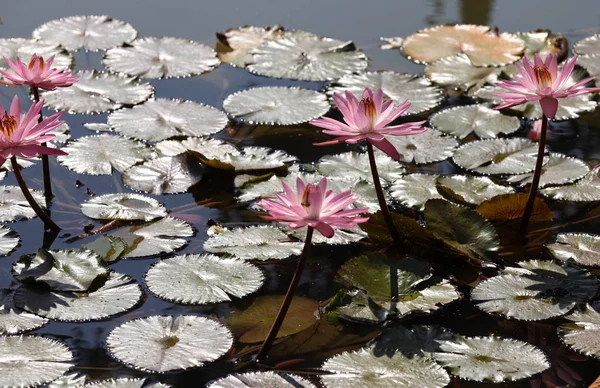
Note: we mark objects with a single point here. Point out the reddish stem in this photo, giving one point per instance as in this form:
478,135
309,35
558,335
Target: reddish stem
45,161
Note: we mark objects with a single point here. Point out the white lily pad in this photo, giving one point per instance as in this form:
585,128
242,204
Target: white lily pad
559,170
29,361
491,358
209,148
165,343
583,248
362,368
276,105
591,64
123,207
498,156
202,279
164,175
261,379
13,320
583,334
341,236
9,239
97,93
354,165
391,43
307,57
253,243
585,190
25,48
61,270
421,94
486,123
14,206
98,155
161,119
415,189
427,147
470,189
70,380
588,46
234,44
458,71
161,58
248,160
120,293
124,382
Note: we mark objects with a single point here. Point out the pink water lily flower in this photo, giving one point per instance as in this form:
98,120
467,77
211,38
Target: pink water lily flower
22,135
315,206
37,74
367,119
542,81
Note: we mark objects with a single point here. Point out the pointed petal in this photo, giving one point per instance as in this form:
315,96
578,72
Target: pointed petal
386,147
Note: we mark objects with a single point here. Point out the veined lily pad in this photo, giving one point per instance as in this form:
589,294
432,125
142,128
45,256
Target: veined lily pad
498,156
458,71
491,358
14,206
9,239
209,148
354,165
98,155
120,293
202,279
61,270
365,369
123,207
161,58
306,56
88,32
585,190
479,43
165,343
276,105
588,46
590,63
253,243
427,147
470,189
13,320
460,121
261,379
582,335
29,361
25,48
583,248
97,93
559,170
165,175
161,119
398,87
415,189
70,380
234,44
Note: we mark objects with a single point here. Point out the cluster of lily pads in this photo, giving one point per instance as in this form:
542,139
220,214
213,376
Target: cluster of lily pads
166,146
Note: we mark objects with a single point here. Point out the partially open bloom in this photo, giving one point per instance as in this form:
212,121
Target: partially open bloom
541,81
315,206
37,74
22,135
367,119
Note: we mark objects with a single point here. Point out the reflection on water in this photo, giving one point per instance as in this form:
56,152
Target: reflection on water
476,11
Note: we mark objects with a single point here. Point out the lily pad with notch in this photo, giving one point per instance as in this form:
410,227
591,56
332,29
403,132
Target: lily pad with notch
427,147
123,207
486,123
458,71
559,170
248,160
164,175
414,190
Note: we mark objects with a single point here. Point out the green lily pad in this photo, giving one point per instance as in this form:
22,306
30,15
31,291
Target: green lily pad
486,123
123,207
164,175
583,248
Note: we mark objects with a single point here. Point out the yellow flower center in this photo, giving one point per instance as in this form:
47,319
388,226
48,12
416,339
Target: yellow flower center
33,60
8,125
370,111
542,77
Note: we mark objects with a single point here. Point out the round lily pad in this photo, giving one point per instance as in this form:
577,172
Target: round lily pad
88,32
161,58
354,165
209,148
9,239
13,320
583,333
276,105
559,170
202,279
14,206
248,160
486,123
427,147
261,379
164,175
166,343
123,207
306,56
234,44
415,189
583,248
25,48
470,189
585,190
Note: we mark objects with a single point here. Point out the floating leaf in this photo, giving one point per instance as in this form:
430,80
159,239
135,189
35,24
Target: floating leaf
209,148
234,44
508,207
559,170
582,335
13,320
165,175
202,279
9,239
124,382
462,228
253,243
61,270
340,237
586,190
14,206
479,43
261,379
249,160
583,248
458,71
276,105
98,155
165,343
365,369
97,93
88,32
123,207
161,58
498,156
395,86
588,46
470,189
72,380
161,119
460,121
415,189
25,48
354,165
29,361
253,324
109,248
427,147
491,358
306,56
120,293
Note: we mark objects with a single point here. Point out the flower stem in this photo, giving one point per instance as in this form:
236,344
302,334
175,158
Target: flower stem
36,208
285,305
45,161
536,179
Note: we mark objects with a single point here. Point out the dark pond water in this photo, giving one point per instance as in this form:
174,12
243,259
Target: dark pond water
361,21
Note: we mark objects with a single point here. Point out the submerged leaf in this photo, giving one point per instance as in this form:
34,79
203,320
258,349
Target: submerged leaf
9,239
427,147
165,175
460,121
415,189
13,320
559,170
583,248
14,205
234,44
123,207
261,379
582,335
25,48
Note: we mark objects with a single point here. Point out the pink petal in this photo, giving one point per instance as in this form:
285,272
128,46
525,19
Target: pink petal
386,147
324,229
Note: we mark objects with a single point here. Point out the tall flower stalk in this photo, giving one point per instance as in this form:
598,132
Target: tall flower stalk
317,208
